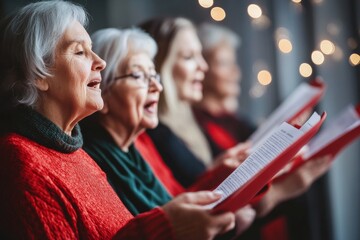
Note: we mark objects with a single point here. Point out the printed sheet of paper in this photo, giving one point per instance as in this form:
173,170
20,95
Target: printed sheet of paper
345,122
279,140
289,107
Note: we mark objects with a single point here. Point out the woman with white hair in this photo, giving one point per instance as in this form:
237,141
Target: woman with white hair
217,115
130,89
50,188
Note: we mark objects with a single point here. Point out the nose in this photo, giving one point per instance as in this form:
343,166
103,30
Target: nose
99,64
155,86
203,64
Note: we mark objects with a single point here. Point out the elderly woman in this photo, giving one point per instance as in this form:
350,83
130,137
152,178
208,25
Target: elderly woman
130,90
216,113
180,63
183,71
50,188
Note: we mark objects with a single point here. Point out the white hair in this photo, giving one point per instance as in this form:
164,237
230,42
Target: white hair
113,45
28,41
212,35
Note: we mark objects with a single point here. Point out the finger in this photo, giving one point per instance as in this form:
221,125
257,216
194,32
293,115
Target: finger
244,218
201,197
224,222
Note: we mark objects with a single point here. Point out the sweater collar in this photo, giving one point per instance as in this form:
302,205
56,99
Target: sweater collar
38,128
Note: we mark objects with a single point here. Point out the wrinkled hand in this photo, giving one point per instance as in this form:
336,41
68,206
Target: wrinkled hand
244,217
234,156
191,221
293,185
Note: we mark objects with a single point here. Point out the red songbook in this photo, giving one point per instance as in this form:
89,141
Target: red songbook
265,161
304,98
339,133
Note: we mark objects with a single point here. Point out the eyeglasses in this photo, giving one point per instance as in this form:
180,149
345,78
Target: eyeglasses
142,78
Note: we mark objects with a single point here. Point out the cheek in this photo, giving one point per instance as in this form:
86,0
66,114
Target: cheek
183,83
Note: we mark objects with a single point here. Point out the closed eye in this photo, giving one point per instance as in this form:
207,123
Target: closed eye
80,53
136,75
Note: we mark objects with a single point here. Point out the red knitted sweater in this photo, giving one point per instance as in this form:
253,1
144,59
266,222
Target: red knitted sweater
46,194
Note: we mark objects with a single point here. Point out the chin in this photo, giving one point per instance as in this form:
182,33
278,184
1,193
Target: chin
197,97
150,124
96,106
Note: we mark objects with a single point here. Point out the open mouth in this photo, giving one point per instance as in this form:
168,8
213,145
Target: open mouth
94,84
151,106
198,84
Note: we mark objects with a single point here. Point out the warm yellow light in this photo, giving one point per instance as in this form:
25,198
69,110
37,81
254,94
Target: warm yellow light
254,11
264,77
206,3
354,59
317,57
305,70
296,1
285,45
327,47
218,14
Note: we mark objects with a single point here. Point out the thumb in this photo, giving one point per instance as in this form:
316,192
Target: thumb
201,197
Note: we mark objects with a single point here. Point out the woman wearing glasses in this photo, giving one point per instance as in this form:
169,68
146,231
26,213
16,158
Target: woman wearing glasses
130,89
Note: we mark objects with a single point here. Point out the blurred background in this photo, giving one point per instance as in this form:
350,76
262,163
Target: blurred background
283,43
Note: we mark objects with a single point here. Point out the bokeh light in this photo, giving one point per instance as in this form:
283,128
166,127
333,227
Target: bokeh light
354,59
206,3
317,57
327,47
296,1
305,70
264,77
254,11
217,13
285,45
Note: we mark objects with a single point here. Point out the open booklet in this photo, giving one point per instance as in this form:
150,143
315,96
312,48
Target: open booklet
259,168
306,96
333,138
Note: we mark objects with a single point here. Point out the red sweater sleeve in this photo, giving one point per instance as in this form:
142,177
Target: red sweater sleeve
150,225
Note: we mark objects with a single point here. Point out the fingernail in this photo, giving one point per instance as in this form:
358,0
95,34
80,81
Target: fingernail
218,192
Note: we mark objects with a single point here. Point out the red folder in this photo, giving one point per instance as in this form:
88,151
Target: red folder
278,116
244,194
315,83
332,148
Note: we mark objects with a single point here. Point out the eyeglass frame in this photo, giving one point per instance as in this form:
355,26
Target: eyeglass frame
153,77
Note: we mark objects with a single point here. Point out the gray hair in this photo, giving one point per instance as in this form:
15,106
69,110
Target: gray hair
113,45
211,35
28,41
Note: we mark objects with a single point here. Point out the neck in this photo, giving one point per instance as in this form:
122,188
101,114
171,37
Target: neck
122,135
65,121
217,106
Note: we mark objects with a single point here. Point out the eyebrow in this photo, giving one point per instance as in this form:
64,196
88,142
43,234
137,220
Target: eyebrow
76,41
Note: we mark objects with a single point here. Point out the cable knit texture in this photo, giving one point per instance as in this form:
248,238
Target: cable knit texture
49,194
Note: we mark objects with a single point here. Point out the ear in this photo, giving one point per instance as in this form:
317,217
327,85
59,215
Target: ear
42,84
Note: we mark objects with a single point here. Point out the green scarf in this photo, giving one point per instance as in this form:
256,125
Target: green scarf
31,124
127,172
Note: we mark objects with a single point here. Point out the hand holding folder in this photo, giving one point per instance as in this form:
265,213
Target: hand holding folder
331,140
305,97
267,159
